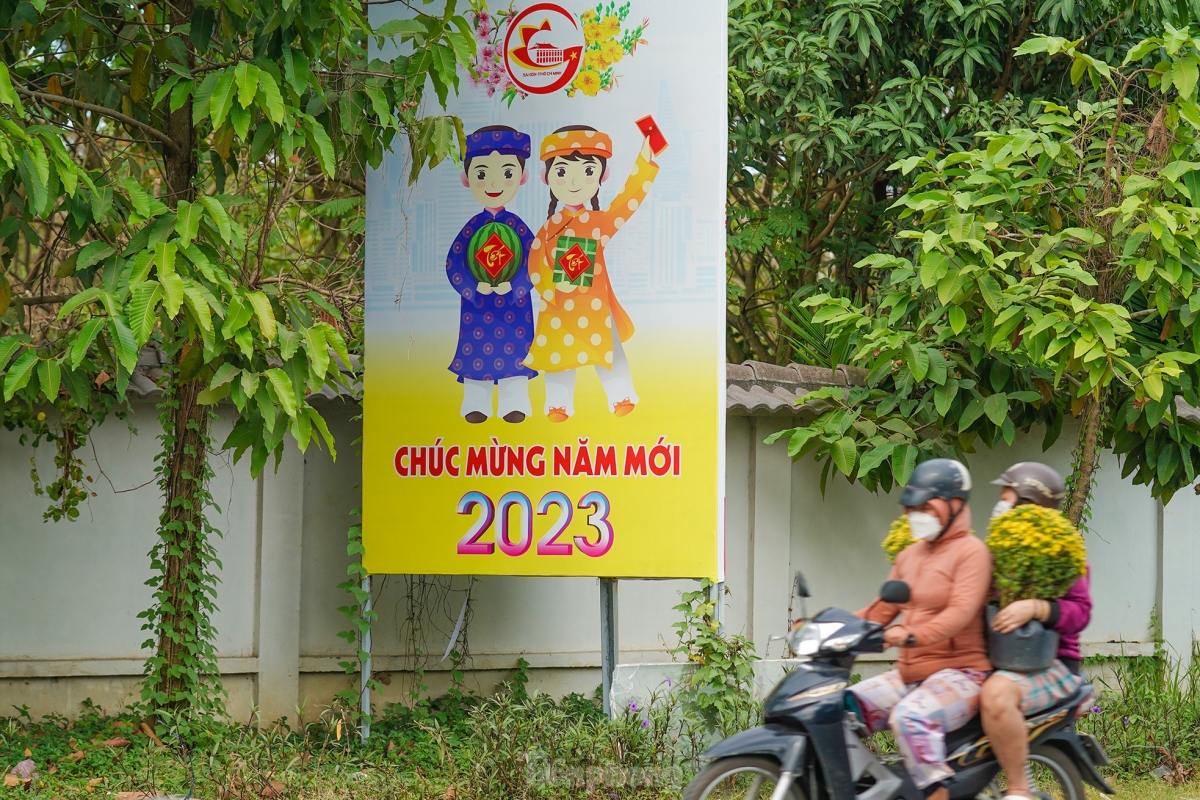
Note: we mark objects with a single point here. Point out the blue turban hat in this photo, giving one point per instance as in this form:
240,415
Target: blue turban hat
505,142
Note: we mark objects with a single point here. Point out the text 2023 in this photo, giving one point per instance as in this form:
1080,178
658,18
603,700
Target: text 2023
514,532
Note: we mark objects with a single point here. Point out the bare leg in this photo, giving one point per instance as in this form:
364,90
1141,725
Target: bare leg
941,794
1005,727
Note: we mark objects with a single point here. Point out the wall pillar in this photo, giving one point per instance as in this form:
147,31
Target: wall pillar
1177,603
770,536
281,518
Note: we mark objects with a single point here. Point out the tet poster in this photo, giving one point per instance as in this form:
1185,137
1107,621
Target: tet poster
546,319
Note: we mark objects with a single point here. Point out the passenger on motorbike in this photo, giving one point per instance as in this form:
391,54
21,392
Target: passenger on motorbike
943,659
1008,697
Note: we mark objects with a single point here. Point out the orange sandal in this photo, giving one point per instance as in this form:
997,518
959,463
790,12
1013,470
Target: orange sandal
623,407
557,414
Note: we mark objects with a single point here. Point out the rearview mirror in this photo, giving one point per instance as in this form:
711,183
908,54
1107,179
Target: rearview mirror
801,585
895,592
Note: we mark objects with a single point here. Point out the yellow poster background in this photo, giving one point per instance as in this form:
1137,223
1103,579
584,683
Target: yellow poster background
667,269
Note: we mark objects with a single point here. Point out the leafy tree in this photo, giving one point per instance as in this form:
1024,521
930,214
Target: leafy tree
168,172
824,95
1051,271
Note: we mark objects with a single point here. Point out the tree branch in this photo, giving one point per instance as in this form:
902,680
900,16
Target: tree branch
1006,76
833,220
105,112
44,299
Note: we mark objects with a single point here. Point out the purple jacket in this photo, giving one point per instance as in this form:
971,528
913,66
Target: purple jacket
1069,615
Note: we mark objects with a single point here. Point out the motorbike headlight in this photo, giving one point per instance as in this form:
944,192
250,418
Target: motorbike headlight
807,641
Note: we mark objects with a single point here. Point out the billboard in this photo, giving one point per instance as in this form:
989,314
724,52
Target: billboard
544,392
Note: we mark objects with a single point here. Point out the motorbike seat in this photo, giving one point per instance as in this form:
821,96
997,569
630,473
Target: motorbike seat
973,731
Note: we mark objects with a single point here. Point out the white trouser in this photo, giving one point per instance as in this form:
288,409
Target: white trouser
617,383
514,396
477,396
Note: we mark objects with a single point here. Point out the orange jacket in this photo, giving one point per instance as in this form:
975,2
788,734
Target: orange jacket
950,578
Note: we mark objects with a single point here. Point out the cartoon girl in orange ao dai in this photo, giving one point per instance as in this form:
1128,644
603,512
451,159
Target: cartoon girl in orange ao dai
582,323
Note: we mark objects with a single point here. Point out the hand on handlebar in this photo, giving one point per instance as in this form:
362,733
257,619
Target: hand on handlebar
895,636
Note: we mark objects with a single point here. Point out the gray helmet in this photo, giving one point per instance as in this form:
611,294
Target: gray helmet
1034,482
938,477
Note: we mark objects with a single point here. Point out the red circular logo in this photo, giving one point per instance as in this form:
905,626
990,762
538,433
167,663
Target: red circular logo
542,48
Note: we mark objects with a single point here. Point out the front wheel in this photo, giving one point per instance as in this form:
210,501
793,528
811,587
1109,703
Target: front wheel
1055,776
740,778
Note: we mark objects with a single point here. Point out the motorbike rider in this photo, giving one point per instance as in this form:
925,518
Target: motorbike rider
1008,697
943,660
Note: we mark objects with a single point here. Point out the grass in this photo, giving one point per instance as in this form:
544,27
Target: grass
459,746
517,746
1149,789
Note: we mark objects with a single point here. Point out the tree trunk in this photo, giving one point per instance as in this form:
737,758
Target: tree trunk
1087,459
184,466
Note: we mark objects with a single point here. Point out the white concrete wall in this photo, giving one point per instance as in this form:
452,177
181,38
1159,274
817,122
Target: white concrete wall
70,593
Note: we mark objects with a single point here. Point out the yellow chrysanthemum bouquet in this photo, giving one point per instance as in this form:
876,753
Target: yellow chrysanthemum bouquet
899,537
1036,552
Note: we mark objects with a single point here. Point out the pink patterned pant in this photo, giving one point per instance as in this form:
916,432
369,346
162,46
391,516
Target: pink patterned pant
920,714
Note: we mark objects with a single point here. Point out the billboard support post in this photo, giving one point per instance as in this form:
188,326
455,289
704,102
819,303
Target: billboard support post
609,647
364,679
719,607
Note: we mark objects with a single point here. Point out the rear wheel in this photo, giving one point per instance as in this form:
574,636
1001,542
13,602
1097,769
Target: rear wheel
1055,776
739,778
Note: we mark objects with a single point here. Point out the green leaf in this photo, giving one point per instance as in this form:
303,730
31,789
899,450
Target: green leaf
220,216
246,77
264,313
394,27
990,289
164,260
270,100
321,144
198,305
1184,75
1142,49
799,438
317,349
958,319
283,390
142,309
8,95
289,342
918,361
84,340
937,366
844,453
1153,386
996,407
137,197
49,376
904,461
203,98
122,338
8,346
222,98
19,373
86,296
91,254
187,221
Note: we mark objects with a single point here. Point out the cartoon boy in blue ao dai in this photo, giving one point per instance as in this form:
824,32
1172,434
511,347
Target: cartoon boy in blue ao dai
488,265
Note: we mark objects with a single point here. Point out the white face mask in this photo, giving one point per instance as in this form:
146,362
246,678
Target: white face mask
923,526
1002,507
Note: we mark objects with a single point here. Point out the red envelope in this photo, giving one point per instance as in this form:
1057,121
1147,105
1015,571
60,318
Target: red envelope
650,128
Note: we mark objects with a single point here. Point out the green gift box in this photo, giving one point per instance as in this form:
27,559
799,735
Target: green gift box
574,260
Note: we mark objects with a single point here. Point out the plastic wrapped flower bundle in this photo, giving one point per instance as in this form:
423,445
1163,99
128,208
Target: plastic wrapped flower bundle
899,537
1037,554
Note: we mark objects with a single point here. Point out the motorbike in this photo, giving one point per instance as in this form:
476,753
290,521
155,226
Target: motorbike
811,745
